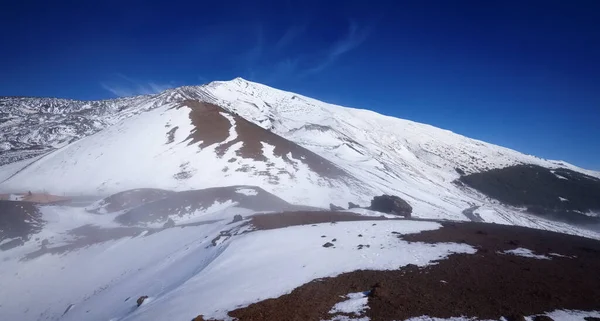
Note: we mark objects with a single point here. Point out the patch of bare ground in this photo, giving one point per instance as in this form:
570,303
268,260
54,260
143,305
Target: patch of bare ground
18,221
171,134
186,202
39,198
486,285
212,127
128,199
281,220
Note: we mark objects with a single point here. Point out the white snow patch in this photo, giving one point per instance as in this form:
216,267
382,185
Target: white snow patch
525,253
558,176
356,304
345,318
561,255
562,199
428,318
572,315
367,212
268,264
246,191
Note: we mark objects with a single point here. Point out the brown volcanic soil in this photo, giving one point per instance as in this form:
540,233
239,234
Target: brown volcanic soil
484,285
280,220
129,199
18,221
211,127
39,198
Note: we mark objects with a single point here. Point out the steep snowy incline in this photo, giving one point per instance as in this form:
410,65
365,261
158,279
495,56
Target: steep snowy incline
390,155
185,146
380,154
32,126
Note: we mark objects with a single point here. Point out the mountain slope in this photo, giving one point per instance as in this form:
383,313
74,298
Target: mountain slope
181,146
332,154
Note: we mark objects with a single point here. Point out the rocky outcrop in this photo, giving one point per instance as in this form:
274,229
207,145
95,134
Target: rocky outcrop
352,205
560,194
391,204
334,207
141,300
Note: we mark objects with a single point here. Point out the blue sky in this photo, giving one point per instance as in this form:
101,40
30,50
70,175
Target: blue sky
522,74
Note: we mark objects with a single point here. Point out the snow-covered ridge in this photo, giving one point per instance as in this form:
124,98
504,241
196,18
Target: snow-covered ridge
379,154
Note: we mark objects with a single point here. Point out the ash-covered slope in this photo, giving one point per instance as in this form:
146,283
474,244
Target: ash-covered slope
394,156
181,146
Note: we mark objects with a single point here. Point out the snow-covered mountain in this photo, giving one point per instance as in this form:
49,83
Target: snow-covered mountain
213,210
239,132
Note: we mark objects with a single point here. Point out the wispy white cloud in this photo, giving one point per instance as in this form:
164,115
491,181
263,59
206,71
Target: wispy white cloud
289,36
355,36
125,86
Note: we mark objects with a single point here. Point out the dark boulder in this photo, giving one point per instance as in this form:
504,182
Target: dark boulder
352,205
169,223
335,208
237,218
141,300
391,204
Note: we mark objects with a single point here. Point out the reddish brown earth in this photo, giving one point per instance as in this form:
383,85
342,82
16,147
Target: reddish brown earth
279,220
486,285
39,198
211,127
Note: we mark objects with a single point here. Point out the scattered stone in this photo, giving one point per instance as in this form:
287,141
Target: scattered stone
323,235
141,300
333,240
335,208
169,223
459,171
391,204
68,309
352,205
237,218
359,235
328,244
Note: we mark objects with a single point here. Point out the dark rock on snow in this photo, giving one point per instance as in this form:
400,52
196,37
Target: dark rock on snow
335,208
169,223
328,244
141,300
391,204
352,205
237,218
